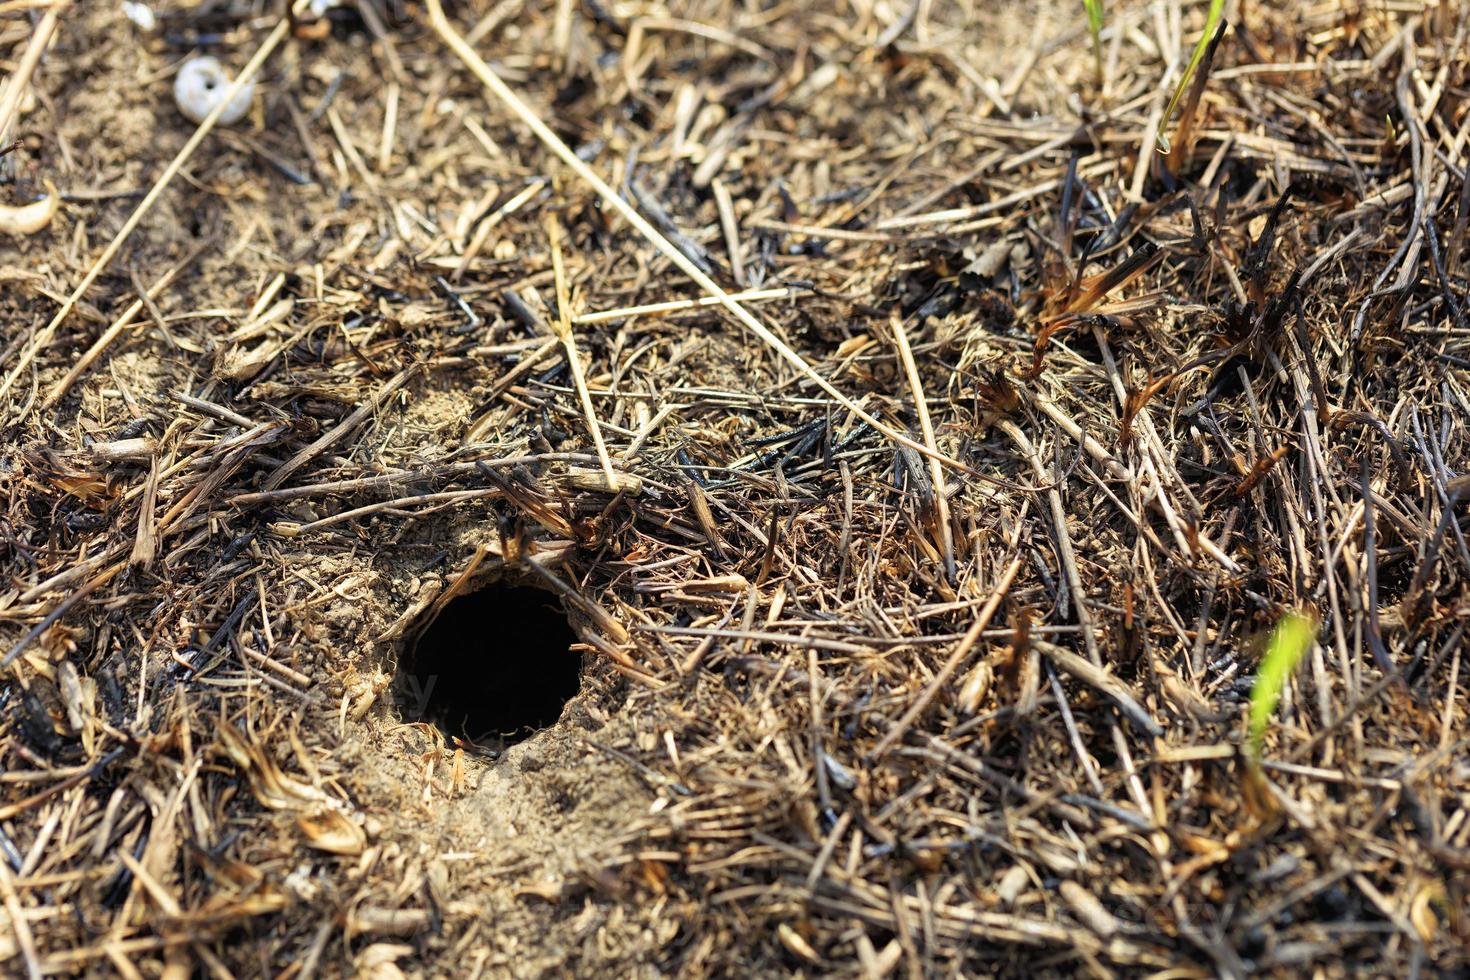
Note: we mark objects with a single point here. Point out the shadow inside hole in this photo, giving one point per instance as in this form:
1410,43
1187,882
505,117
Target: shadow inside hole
494,667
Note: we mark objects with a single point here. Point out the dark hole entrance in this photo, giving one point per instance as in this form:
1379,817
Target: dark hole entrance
495,667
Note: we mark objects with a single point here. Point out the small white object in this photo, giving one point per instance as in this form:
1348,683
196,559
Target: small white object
141,15
840,775
202,83
27,219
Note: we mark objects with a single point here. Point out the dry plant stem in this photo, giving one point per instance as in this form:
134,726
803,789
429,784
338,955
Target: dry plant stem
1154,492
59,390
1152,459
554,143
604,620
678,305
482,233
390,128
19,926
726,207
15,85
60,610
145,540
1095,449
942,676
482,427
1101,681
44,335
416,501
1065,553
390,480
341,429
563,327
926,426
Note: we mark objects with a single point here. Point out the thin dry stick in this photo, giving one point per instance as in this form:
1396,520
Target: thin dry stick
554,143
1065,553
1095,677
563,327
926,426
15,85
20,928
416,500
117,327
677,305
488,225
726,207
961,650
43,337
341,429
145,540
390,130
61,608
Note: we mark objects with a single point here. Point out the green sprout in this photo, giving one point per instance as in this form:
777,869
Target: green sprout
1094,27
1290,641
1217,7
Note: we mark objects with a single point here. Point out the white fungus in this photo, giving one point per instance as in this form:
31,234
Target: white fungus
200,86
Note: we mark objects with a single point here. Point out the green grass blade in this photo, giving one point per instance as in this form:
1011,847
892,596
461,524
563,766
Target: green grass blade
1217,7
1094,17
1290,641
1094,10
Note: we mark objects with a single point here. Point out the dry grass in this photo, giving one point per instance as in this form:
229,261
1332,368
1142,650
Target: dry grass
971,700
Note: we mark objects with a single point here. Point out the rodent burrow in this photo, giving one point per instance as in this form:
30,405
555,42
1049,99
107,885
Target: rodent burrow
494,667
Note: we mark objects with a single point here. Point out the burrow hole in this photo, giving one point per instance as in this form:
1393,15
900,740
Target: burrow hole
494,667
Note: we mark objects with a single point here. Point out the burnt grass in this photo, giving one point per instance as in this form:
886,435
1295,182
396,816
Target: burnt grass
924,650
